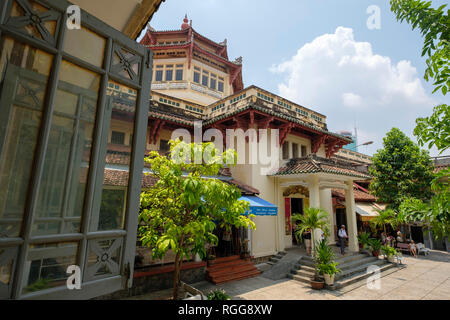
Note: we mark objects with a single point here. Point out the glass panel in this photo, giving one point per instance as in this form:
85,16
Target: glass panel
103,257
25,74
88,39
117,165
47,264
34,19
126,64
67,159
6,264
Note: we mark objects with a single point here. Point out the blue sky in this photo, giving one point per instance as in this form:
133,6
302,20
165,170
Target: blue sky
296,48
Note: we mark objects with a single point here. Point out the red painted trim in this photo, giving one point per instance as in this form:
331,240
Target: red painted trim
219,58
167,269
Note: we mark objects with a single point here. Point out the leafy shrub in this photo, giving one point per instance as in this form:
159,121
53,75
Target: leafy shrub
328,268
218,295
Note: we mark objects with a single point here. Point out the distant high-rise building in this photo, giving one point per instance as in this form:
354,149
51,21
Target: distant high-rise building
351,146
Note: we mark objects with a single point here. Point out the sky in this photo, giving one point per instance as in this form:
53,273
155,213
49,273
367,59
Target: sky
321,54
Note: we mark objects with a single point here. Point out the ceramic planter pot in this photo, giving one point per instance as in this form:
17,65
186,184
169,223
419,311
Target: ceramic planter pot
391,259
317,285
329,279
210,263
376,253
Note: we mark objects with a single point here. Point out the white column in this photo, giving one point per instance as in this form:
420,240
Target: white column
326,203
351,217
280,219
314,193
314,202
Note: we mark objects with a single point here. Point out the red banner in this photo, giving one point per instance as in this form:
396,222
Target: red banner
287,215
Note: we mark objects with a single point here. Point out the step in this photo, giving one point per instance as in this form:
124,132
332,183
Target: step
350,258
361,281
300,278
230,270
274,259
358,269
228,264
353,264
303,273
308,263
236,276
227,259
361,276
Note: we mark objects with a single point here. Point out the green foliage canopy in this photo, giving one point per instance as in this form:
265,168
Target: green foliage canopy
181,211
400,170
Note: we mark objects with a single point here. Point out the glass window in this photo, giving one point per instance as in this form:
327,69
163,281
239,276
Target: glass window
196,77
159,75
67,158
205,78
213,84
111,215
179,75
47,265
25,72
304,151
117,137
220,86
89,39
286,150
295,150
169,74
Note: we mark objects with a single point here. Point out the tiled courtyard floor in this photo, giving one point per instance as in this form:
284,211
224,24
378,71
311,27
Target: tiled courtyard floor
423,278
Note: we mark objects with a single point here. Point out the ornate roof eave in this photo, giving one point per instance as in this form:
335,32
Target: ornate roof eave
276,115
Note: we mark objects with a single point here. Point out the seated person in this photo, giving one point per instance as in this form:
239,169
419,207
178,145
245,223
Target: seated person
413,248
399,236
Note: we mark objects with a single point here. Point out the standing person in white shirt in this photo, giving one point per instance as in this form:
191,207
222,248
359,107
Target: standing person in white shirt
342,234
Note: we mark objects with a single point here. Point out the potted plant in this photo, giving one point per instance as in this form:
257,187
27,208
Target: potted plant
323,255
363,240
329,270
375,246
389,253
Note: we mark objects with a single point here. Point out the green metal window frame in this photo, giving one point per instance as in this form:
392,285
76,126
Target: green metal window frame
140,82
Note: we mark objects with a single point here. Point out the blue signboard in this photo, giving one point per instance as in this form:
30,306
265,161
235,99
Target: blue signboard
260,207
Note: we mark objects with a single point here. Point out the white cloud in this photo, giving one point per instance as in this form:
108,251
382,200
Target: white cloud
345,80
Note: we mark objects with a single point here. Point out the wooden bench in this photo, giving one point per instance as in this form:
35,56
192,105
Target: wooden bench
404,247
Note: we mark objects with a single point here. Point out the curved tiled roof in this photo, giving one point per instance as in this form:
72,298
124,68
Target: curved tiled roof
314,164
359,195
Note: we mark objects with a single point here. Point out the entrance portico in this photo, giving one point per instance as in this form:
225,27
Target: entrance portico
313,178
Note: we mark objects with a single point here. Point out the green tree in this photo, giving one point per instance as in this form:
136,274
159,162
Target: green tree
436,212
313,218
181,211
400,170
434,25
384,218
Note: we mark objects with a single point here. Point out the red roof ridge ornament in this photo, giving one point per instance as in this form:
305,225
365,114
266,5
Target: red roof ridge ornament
185,24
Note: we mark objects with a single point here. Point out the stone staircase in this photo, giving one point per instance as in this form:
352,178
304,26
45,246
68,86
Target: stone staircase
231,269
354,269
274,259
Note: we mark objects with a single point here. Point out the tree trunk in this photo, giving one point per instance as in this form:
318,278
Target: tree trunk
176,276
176,271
